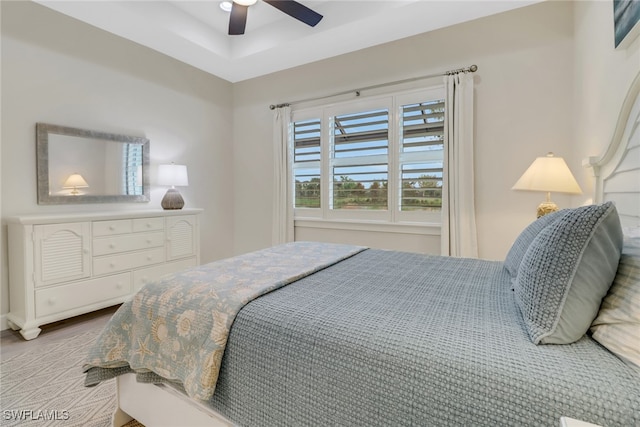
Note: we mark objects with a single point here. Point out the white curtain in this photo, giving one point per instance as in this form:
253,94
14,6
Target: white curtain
282,193
459,237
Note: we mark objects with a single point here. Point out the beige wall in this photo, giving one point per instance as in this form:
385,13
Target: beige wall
523,109
602,78
58,70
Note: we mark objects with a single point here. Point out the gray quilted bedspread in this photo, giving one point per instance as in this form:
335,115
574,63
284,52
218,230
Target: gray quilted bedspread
390,339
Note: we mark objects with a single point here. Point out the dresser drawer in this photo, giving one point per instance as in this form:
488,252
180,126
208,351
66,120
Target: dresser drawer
146,275
108,228
67,297
127,242
114,263
148,224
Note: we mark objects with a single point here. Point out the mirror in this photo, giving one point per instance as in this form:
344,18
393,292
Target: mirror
84,166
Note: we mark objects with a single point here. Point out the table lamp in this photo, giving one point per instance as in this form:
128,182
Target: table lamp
173,175
548,173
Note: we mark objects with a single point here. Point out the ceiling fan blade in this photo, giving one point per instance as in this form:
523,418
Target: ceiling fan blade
296,10
237,19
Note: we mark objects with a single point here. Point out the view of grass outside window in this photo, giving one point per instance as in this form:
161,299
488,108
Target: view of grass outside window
370,159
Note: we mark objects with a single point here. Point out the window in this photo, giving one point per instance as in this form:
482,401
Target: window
422,139
377,159
359,160
306,157
132,169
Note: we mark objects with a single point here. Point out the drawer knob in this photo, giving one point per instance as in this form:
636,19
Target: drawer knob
149,257
119,285
148,225
86,251
112,245
52,301
112,265
149,241
112,228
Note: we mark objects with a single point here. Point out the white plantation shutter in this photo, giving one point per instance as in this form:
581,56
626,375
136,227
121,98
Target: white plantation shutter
307,160
132,172
421,156
377,159
359,160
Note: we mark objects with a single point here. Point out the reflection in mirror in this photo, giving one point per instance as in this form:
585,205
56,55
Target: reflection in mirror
82,166
112,169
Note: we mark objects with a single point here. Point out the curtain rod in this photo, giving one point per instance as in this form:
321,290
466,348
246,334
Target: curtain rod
470,69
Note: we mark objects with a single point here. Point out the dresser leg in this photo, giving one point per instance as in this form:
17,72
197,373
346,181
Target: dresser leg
12,325
29,334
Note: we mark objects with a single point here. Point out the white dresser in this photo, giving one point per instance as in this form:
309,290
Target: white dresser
65,265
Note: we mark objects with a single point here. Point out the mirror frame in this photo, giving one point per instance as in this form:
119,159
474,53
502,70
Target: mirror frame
42,161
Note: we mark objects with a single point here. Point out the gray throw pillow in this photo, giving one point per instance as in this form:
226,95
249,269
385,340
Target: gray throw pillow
522,243
567,271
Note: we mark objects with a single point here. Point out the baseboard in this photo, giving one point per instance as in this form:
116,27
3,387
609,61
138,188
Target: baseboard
3,322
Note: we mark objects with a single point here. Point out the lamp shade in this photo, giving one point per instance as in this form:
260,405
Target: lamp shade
75,181
174,175
550,174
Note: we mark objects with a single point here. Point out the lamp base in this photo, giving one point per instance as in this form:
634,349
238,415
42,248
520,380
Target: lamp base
546,208
172,200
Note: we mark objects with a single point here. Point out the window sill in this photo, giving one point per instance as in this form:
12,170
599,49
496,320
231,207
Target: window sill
428,229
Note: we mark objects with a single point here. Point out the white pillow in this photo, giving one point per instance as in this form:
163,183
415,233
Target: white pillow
617,326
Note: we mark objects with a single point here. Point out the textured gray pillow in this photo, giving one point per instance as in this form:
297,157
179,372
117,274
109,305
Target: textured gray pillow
566,272
522,243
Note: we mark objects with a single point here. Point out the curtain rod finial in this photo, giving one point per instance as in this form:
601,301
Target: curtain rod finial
273,107
473,68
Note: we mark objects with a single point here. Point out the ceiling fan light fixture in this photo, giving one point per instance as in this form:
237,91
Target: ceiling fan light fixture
226,6
245,2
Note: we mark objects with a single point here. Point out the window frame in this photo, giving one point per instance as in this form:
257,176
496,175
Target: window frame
394,103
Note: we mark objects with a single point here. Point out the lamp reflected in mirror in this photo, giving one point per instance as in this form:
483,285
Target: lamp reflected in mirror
75,181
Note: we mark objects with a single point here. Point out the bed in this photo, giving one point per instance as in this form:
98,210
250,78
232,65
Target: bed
369,337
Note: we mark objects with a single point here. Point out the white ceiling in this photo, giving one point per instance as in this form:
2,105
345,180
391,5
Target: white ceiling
195,31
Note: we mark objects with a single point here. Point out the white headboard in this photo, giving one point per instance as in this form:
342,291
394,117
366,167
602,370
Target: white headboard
617,172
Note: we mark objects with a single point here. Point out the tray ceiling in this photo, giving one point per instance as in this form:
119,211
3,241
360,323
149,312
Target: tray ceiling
195,32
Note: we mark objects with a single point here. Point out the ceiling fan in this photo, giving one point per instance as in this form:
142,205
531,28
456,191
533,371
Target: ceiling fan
238,18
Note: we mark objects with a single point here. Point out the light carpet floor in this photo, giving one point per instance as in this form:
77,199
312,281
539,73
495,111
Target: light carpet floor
45,387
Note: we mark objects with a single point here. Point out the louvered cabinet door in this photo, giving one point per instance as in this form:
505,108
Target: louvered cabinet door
62,252
182,234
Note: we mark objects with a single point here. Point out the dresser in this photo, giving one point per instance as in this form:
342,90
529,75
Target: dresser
65,265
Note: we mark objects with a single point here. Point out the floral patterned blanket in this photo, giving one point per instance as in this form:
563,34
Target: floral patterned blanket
177,327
